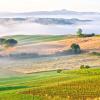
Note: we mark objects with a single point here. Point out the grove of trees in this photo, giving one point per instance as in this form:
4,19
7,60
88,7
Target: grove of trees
6,43
80,33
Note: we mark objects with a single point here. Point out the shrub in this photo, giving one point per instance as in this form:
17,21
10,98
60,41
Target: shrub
2,41
75,48
96,53
84,66
87,66
59,71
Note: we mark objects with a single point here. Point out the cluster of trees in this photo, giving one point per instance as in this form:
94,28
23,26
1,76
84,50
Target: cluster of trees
80,33
75,47
6,43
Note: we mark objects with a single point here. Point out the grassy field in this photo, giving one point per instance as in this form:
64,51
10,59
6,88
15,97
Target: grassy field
26,39
81,84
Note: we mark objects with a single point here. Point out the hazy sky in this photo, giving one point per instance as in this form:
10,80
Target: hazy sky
37,5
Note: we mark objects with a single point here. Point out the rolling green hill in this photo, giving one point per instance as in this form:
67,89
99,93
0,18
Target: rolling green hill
22,39
68,85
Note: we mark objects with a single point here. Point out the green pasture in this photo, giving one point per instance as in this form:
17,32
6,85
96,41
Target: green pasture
67,85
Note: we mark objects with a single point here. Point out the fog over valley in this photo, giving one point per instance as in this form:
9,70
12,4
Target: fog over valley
52,23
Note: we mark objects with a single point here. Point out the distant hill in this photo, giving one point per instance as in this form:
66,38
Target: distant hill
59,12
56,12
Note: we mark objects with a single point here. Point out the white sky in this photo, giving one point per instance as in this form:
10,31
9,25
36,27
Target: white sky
41,5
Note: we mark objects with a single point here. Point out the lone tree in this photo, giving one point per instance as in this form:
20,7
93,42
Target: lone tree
10,43
79,32
75,48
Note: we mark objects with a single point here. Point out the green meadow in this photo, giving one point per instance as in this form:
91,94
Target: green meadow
82,84
25,39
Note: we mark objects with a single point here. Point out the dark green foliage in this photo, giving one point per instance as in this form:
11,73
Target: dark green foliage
75,48
88,35
84,66
96,53
79,32
2,41
10,43
59,71
87,66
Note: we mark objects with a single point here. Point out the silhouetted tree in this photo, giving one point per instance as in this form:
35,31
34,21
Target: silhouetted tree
10,43
75,48
79,32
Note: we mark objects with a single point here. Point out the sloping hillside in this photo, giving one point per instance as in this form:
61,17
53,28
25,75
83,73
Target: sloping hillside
87,43
33,53
52,44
